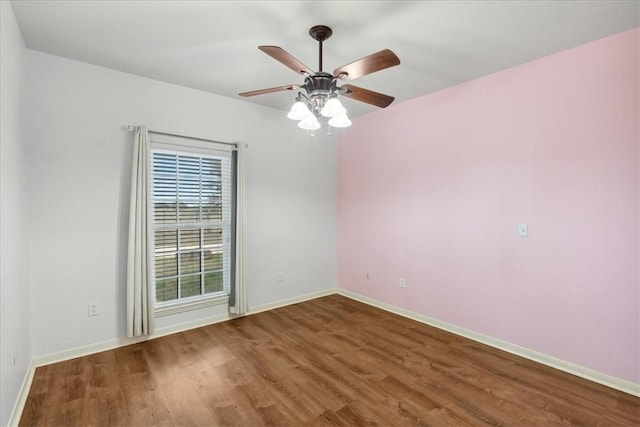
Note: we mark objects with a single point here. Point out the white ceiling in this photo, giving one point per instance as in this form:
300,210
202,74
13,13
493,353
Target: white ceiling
212,45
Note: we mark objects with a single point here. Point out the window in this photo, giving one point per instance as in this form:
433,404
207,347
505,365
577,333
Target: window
190,225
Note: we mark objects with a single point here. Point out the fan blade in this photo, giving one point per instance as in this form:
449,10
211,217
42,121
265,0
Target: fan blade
365,95
279,54
271,89
367,65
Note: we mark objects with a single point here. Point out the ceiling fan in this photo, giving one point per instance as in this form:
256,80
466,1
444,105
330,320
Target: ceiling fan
320,90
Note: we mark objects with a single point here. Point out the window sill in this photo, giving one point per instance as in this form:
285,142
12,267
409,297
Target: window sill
191,305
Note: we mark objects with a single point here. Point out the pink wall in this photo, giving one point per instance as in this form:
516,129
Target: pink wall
433,189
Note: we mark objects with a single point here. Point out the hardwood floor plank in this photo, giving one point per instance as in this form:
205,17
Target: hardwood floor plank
352,417
273,416
331,361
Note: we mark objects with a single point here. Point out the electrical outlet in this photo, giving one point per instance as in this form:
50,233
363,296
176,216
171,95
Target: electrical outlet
368,275
280,277
403,283
93,309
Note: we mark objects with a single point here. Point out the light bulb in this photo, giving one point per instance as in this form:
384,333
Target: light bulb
309,123
340,121
299,111
333,108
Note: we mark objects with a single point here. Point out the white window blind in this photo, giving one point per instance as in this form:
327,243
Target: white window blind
191,225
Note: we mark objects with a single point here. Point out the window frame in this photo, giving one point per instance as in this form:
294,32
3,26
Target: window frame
189,147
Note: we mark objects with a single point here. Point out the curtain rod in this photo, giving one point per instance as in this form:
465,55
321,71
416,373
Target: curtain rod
132,128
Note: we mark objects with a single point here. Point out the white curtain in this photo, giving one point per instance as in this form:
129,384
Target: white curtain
238,300
140,316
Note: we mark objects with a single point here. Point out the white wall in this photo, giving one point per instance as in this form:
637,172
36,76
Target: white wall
78,182
14,291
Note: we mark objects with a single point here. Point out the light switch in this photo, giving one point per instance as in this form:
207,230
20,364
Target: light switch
523,230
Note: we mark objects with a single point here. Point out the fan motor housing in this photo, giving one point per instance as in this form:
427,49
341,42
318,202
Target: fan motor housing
320,84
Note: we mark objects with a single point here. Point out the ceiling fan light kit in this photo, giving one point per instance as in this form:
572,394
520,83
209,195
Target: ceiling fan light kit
340,121
299,110
320,91
333,107
309,123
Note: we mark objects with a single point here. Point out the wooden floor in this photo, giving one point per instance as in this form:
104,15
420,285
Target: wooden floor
327,362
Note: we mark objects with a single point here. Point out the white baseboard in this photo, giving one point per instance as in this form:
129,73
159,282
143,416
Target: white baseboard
562,365
290,301
14,419
168,330
124,341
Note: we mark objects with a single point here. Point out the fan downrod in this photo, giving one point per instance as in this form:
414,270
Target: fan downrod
320,33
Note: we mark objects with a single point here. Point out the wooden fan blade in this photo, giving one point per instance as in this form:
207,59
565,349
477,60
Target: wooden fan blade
271,89
279,54
367,65
365,95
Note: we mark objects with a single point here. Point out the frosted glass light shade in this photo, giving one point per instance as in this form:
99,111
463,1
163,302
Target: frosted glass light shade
299,111
309,123
340,121
333,108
